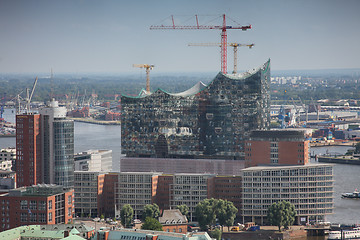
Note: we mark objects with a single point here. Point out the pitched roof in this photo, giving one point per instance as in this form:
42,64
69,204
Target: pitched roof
172,216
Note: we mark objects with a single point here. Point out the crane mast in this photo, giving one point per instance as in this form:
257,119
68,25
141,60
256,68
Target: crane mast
222,27
234,45
148,67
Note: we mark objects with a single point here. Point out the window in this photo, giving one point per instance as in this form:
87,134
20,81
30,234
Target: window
50,204
23,217
69,211
69,199
23,205
42,205
33,205
50,217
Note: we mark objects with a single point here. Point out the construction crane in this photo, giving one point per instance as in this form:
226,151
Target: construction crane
234,45
29,95
148,67
222,27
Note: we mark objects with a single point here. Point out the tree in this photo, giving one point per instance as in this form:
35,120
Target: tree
225,212
205,213
152,224
126,215
184,209
281,213
216,234
151,210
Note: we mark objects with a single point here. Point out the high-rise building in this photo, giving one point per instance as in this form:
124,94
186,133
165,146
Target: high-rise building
28,150
45,147
202,122
57,145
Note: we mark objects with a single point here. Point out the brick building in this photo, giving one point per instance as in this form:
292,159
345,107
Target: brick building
39,204
278,147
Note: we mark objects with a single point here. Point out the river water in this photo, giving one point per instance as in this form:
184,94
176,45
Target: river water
92,136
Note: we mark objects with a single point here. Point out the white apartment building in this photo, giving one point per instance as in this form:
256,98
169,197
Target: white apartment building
137,189
309,188
189,189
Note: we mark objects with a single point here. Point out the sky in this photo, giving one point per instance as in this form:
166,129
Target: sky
104,36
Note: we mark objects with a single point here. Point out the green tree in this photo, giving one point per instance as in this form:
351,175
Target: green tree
205,213
184,209
216,234
126,215
225,212
151,210
281,213
152,224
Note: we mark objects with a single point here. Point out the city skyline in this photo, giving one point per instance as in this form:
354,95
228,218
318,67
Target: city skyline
111,36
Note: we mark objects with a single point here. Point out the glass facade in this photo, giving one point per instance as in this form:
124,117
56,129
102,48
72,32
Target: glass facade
64,152
210,121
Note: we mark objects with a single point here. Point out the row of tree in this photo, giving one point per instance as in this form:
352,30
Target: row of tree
281,214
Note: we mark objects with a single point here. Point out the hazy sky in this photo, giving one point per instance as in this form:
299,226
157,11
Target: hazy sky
109,36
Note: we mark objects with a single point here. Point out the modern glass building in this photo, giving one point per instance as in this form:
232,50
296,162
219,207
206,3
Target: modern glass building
204,121
57,145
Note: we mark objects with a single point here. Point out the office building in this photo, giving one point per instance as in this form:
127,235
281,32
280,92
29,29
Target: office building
189,189
308,187
28,150
94,161
202,122
57,145
88,193
38,204
45,147
137,189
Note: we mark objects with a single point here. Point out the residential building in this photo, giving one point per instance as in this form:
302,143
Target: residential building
308,187
173,221
189,189
28,150
88,193
94,161
137,189
38,204
278,147
202,122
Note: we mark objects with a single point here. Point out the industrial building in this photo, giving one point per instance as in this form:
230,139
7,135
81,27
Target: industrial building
202,122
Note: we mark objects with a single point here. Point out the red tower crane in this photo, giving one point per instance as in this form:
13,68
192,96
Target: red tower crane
222,27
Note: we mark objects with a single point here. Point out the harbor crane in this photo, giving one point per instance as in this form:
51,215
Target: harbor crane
198,26
148,67
234,45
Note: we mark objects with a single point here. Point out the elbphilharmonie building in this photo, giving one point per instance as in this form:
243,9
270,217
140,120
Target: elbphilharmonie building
206,121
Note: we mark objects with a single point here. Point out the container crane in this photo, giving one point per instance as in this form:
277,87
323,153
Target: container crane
234,45
222,27
148,67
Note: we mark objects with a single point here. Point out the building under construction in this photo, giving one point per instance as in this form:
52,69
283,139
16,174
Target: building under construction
202,122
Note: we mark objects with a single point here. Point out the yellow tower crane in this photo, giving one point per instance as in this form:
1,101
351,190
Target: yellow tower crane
148,67
234,45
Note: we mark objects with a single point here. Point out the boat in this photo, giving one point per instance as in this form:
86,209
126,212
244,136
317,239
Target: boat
345,234
355,194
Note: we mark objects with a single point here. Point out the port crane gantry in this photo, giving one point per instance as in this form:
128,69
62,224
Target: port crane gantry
234,45
148,67
222,27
